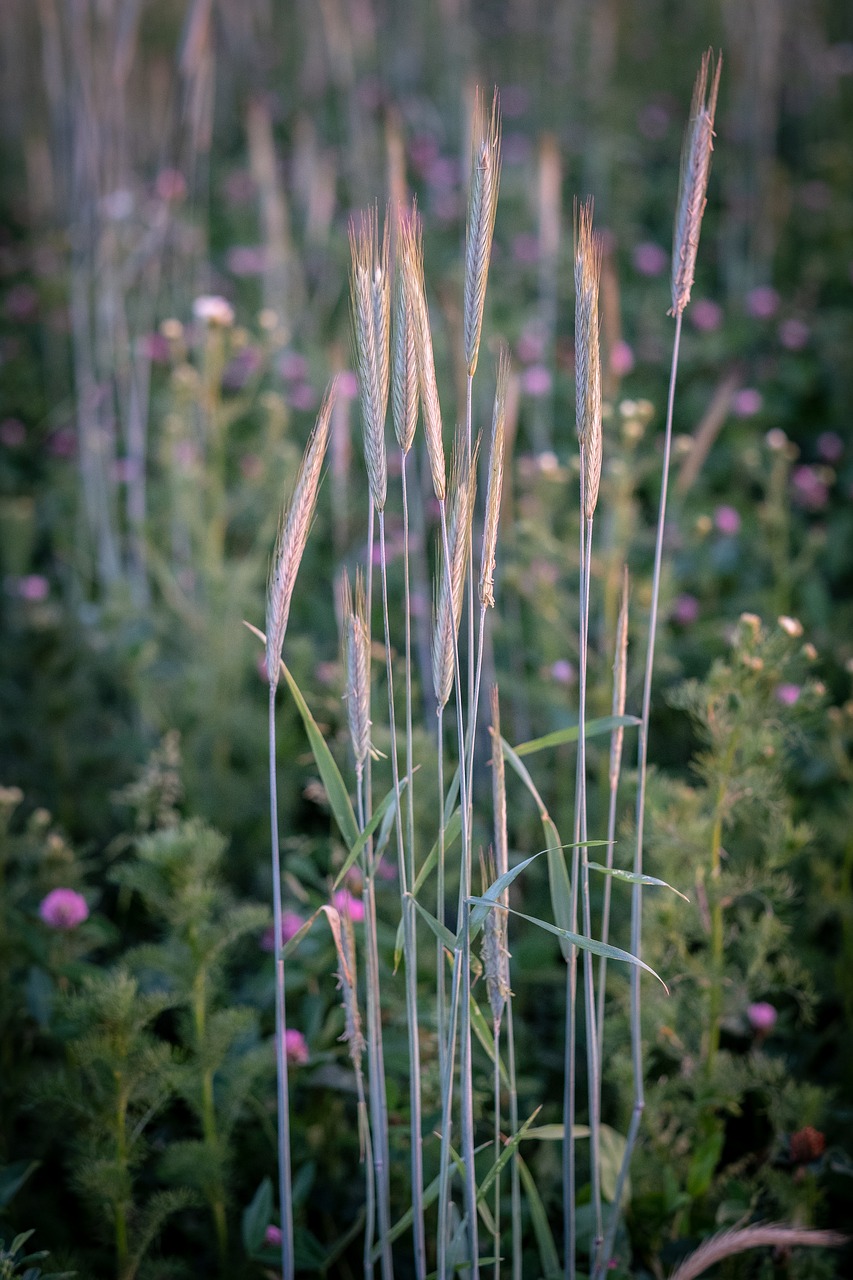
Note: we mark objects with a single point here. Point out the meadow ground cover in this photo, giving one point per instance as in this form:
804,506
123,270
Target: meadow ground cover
548,973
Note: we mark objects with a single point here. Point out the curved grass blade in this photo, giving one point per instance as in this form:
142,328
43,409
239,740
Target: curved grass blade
339,800
578,940
378,816
633,878
558,874
594,728
548,1256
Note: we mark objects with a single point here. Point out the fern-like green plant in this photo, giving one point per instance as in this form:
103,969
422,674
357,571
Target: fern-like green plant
221,1057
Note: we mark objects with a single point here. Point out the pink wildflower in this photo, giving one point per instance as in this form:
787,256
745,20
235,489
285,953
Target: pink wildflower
296,1047
762,1017
727,520
347,904
63,909
788,694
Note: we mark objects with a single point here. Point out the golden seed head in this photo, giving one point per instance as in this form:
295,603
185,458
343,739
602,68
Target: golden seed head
695,168
482,206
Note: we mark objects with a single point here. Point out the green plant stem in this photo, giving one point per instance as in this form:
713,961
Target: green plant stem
460,989
208,1116
440,977
469,432
409,949
715,1000
120,1213
284,1177
515,1177
496,1210
593,1063
636,888
369,946
605,923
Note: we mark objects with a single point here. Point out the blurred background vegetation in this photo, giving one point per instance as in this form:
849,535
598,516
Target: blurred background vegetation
155,153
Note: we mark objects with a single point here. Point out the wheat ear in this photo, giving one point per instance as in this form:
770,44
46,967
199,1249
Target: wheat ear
587,353
412,263
482,206
404,381
695,167
371,308
356,647
293,534
450,588
766,1235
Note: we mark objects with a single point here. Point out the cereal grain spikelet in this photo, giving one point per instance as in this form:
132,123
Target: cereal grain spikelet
482,206
695,168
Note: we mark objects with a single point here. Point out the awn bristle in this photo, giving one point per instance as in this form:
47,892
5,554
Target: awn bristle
588,353
448,609
495,486
482,206
356,644
412,263
371,306
620,674
695,167
404,384
293,534
770,1235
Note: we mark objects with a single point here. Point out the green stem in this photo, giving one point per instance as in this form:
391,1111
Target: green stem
208,1116
120,1214
602,1261
409,948
715,998
288,1267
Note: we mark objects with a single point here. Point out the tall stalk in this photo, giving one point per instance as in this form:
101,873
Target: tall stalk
696,163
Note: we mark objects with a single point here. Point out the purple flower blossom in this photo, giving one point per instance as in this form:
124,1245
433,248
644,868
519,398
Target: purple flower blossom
793,334
246,260
788,694
727,520
705,315
562,671
302,396
650,259
530,347
347,385
347,903
170,185
291,923
155,347
296,1047
808,488
762,303
685,610
525,248
63,909
33,587
830,446
293,366
747,402
272,1235
621,359
762,1017
536,381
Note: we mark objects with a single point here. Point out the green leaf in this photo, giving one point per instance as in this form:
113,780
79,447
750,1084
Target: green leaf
611,1153
257,1216
554,1132
584,943
558,875
485,1035
633,878
329,772
440,930
13,1177
506,1155
339,800
494,892
594,728
706,1157
377,817
548,1255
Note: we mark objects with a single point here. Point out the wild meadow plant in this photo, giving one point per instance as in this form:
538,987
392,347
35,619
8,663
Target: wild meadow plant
394,359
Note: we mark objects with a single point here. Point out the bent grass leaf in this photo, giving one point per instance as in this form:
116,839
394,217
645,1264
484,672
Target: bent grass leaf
548,1255
594,729
633,878
339,800
558,875
578,940
358,848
